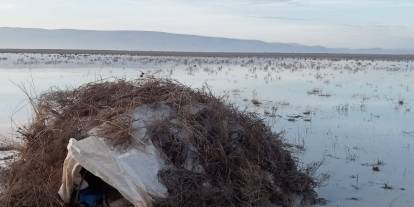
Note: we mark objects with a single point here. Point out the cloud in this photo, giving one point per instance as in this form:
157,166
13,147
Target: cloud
7,5
278,17
354,3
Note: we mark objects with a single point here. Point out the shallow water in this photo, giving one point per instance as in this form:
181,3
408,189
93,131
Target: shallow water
351,114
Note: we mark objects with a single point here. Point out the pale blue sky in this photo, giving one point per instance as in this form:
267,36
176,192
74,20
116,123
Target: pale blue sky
332,23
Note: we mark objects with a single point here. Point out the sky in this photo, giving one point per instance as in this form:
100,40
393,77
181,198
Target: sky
330,23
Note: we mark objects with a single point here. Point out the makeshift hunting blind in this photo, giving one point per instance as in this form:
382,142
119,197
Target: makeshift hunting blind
150,142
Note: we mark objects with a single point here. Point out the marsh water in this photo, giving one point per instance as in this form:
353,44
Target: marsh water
356,117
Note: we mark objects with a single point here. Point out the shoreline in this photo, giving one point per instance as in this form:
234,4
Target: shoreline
330,56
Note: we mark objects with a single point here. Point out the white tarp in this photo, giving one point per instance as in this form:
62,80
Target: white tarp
133,172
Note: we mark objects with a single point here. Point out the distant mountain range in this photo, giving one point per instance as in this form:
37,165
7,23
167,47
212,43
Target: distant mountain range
28,38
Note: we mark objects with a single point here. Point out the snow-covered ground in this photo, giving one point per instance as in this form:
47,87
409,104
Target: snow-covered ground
354,116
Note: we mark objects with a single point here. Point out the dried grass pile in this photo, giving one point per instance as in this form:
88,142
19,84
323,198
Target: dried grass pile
242,163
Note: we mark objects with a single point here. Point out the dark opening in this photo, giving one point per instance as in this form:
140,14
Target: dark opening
97,193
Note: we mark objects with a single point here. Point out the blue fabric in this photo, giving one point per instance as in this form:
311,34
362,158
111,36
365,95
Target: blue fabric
90,198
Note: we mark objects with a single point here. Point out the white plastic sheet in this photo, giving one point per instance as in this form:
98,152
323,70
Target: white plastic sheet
133,172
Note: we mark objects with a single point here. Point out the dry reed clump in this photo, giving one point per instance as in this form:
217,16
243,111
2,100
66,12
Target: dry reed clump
240,162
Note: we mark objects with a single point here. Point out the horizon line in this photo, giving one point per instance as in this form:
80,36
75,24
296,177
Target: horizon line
355,56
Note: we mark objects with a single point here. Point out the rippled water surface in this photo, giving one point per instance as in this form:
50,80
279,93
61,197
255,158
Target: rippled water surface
351,115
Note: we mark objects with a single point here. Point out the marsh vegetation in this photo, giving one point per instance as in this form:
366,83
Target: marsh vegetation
355,115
